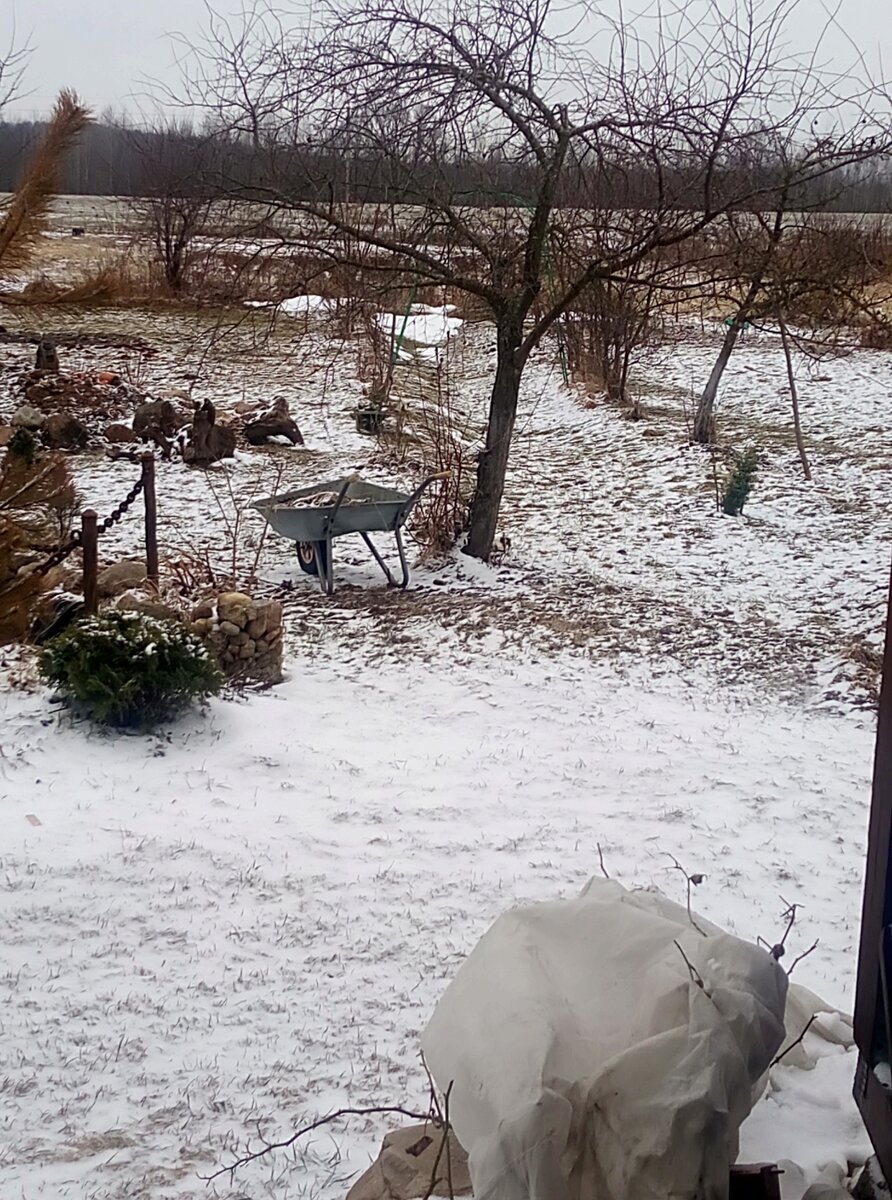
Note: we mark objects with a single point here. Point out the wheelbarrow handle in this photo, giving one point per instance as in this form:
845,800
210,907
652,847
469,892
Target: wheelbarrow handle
422,488
418,492
340,500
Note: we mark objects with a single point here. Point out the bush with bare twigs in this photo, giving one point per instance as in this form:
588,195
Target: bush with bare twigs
233,562
608,325
442,514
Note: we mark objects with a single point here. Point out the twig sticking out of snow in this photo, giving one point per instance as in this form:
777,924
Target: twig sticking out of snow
792,1045
444,1146
691,881
804,954
789,914
601,861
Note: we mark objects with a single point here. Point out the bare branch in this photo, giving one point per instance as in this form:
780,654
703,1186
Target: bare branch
601,861
321,1122
692,970
804,954
691,881
798,1041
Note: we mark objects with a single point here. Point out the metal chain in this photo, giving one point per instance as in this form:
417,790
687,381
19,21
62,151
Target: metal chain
116,513
58,556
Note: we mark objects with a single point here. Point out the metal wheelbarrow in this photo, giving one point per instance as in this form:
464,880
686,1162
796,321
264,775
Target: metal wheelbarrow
354,507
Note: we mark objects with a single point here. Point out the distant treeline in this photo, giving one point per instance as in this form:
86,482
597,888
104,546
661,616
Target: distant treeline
113,160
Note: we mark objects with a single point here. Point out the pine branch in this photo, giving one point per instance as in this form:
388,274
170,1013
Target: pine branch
26,215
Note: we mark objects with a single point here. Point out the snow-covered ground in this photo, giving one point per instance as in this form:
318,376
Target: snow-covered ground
245,922
250,921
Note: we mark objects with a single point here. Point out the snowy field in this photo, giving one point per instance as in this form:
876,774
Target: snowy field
244,923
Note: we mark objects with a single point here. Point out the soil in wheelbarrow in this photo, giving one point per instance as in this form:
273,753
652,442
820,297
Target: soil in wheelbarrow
330,499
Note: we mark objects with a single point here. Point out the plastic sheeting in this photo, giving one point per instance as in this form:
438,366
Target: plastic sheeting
603,1049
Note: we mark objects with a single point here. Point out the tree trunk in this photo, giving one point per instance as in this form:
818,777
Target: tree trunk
794,394
493,462
704,417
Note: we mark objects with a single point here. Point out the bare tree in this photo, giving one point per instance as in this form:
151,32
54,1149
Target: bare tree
12,69
817,280
763,250
623,140
178,188
794,398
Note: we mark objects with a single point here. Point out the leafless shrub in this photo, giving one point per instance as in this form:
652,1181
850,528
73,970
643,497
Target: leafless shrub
876,336
233,561
376,350
442,515
122,279
608,325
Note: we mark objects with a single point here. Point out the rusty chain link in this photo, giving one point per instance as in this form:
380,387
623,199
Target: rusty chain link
116,513
58,556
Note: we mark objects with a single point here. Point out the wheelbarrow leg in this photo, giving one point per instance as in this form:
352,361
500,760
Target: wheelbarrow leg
324,569
378,559
329,567
402,553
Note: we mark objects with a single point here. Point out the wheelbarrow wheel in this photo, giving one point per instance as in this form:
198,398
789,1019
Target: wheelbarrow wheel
306,556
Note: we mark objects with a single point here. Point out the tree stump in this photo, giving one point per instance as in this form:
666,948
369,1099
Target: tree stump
47,358
278,422
208,441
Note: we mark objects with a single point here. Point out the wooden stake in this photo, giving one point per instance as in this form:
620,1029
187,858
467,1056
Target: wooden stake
90,546
148,487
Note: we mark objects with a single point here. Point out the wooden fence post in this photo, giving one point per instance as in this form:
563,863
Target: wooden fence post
90,546
148,488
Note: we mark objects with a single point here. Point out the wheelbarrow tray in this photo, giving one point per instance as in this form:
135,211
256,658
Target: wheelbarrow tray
381,510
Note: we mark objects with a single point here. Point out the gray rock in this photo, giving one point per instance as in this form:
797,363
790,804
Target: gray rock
208,441
278,422
120,577
235,607
47,358
157,418
118,433
62,431
28,417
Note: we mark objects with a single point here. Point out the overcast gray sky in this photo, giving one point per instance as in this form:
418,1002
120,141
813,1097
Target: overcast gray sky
103,48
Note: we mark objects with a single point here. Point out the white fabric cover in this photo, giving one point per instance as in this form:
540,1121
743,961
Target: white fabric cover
586,1061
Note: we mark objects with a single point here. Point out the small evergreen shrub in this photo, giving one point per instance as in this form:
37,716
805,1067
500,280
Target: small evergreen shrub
23,445
740,482
129,670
